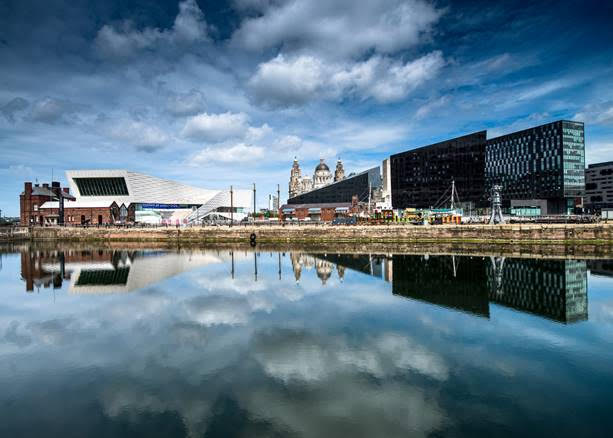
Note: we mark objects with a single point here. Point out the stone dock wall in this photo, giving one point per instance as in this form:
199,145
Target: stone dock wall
591,234
14,234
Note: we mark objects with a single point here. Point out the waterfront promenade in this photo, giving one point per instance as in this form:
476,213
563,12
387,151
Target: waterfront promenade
592,234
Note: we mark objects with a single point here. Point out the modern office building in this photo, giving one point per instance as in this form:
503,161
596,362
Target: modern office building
361,185
421,177
540,169
599,186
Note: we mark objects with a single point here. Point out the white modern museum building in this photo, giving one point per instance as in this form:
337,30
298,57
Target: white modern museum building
153,200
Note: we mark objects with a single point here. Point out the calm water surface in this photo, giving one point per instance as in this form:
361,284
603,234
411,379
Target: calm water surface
238,343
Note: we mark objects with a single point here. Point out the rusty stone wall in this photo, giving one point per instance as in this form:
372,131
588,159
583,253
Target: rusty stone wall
585,234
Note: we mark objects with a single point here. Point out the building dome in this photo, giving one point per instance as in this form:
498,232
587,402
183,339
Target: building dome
322,166
322,176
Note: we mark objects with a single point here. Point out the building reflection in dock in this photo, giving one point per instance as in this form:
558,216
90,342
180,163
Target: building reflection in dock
553,289
106,271
602,268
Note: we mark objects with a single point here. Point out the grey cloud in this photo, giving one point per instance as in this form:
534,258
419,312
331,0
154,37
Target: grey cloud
51,111
13,335
149,149
349,407
186,104
12,107
55,331
189,334
125,40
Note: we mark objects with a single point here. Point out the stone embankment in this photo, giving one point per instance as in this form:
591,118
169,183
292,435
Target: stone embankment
14,234
592,234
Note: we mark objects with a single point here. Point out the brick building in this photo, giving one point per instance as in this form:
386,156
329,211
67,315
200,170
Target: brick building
34,197
40,205
324,212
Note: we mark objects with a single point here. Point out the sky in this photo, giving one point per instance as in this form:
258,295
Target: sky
220,93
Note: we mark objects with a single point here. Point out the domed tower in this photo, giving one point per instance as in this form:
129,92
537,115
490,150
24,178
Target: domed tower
322,175
295,180
339,173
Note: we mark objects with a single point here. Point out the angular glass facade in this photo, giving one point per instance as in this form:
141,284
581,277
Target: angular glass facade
541,163
420,177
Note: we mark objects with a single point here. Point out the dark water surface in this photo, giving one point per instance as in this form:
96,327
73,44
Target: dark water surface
199,343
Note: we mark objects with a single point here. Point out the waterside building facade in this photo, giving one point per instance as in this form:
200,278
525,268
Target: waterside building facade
599,186
421,177
541,169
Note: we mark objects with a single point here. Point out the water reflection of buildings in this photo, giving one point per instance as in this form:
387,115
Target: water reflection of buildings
554,289
603,268
106,271
325,264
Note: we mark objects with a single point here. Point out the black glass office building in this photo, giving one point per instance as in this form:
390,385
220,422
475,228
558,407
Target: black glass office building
420,177
359,185
541,169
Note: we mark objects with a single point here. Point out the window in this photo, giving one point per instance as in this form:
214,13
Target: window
102,186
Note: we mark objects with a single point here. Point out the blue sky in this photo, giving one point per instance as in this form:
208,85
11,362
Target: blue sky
215,93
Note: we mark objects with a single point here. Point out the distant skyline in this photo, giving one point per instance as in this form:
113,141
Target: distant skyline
213,93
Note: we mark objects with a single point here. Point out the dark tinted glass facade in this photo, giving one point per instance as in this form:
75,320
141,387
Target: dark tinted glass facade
420,177
599,186
102,186
554,289
342,191
544,162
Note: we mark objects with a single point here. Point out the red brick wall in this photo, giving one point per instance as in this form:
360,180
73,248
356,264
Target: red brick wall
72,216
27,208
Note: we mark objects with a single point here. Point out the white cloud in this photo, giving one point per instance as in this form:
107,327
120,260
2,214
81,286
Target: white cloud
339,28
430,106
283,82
145,137
216,127
293,81
124,41
599,113
544,89
239,153
300,356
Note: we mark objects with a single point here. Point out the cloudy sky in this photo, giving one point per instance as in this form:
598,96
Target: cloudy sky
215,93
